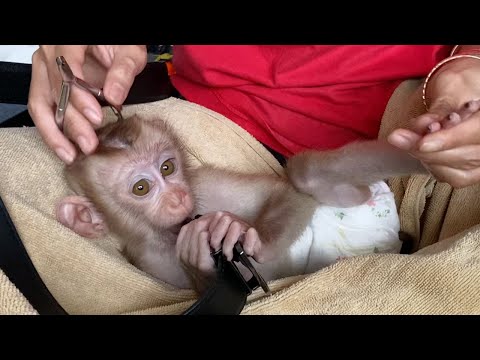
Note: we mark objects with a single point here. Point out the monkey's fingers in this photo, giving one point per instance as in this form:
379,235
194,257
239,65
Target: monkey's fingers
236,229
455,118
193,248
183,243
205,262
451,120
219,230
433,127
251,242
187,240
216,218
420,124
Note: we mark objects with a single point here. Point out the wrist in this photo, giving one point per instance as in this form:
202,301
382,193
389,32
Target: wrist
465,50
457,53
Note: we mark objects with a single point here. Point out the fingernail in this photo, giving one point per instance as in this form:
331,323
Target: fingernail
64,155
117,93
93,116
431,146
84,144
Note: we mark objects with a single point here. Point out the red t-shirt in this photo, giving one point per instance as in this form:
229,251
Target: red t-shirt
299,97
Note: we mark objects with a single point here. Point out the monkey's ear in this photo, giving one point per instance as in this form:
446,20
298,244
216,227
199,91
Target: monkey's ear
79,214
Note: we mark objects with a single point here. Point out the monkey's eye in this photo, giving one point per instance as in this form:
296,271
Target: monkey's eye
167,168
141,188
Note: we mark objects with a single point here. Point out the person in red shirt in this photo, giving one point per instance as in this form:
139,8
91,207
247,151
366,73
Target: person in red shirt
293,98
288,97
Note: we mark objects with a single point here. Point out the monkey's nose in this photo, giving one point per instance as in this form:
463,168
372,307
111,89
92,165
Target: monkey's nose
181,195
176,199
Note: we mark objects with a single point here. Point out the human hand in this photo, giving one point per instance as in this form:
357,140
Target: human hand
447,137
111,67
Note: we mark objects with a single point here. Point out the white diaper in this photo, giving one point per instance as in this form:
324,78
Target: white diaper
335,233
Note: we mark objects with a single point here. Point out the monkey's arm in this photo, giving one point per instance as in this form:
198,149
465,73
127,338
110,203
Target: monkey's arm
267,209
341,177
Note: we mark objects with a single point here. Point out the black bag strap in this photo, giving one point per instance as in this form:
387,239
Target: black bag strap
17,265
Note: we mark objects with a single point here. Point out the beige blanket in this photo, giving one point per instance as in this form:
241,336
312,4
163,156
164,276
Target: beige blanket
91,277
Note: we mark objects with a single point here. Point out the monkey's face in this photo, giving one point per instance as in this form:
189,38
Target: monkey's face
158,189
137,177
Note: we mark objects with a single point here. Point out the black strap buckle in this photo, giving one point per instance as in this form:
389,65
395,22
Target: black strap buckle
239,255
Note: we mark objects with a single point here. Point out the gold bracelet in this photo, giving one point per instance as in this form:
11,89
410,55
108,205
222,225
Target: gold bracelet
444,61
454,50
457,50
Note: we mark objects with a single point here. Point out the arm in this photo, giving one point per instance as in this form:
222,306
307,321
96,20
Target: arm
111,67
264,213
451,153
341,177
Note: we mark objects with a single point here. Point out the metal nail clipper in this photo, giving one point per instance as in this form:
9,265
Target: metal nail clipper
68,80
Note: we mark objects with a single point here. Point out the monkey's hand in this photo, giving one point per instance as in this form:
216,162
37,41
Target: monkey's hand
231,229
197,239
193,252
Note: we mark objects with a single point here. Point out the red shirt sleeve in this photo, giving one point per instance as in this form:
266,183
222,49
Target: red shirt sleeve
301,97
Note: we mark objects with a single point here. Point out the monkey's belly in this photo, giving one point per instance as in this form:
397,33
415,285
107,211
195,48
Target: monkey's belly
335,233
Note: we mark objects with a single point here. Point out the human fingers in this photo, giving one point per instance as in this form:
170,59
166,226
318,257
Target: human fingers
457,178
462,158
41,108
77,128
404,139
128,62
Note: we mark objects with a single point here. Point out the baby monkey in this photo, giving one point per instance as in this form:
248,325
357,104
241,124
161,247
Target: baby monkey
139,185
